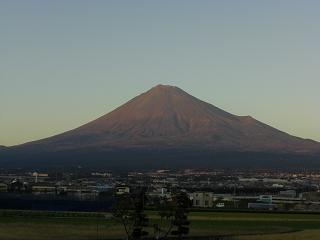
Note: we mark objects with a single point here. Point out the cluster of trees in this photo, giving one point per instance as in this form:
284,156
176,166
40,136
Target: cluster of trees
172,219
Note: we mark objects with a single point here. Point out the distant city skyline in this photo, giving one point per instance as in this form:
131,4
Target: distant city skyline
64,63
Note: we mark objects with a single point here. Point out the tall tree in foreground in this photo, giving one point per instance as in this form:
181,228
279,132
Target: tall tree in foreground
122,211
129,211
140,218
166,213
173,215
181,215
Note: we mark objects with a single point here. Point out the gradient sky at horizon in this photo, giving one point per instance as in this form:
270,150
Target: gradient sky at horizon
64,63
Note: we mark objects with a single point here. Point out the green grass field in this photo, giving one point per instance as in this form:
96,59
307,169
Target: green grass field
71,226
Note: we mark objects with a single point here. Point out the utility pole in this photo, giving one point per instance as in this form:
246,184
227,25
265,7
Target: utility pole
97,230
234,195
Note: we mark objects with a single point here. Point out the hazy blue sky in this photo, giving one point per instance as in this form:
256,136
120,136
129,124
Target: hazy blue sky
63,63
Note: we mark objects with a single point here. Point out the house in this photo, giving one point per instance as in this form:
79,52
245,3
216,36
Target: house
202,199
288,194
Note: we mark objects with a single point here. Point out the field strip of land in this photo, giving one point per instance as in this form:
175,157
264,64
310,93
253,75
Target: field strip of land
37,225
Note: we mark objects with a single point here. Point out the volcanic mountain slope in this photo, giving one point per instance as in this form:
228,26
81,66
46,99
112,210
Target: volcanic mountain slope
166,117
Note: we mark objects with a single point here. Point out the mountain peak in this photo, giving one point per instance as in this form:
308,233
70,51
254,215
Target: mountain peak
167,117
165,88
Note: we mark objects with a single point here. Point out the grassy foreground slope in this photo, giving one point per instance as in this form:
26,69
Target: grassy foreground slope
15,225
